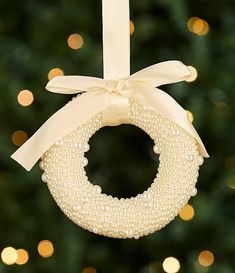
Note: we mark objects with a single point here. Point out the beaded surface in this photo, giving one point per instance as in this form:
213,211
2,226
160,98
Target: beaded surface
86,205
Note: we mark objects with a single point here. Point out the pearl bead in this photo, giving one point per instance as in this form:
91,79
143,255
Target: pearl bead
200,160
78,145
44,178
156,149
190,157
41,165
194,192
97,189
84,162
86,147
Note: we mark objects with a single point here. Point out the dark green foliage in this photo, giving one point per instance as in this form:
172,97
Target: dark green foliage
33,37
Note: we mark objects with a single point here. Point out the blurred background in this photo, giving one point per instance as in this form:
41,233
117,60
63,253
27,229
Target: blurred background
42,39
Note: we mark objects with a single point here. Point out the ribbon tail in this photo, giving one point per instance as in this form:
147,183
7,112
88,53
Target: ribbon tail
162,73
64,121
163,104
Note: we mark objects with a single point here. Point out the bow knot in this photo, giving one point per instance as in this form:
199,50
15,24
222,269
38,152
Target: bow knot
115,86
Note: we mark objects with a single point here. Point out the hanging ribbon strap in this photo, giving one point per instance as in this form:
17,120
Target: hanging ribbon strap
116,39
109,96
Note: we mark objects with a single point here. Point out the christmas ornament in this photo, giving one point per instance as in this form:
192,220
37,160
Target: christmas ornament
119,98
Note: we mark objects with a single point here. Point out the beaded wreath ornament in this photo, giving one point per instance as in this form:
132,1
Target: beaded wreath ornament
119,98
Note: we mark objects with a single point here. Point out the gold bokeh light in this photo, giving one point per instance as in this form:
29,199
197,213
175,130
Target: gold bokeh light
193,75
22,257
89,269
171,265
19,137
187,213
190,116
132,27
54,72
190,23
75,41
45,249
9,255
25,97
206,258
198,26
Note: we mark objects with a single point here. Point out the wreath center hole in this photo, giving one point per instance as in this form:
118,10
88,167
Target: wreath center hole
121,160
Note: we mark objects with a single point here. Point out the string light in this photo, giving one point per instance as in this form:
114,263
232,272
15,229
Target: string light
19,137
9,255
75,41
89,269
132,27
171,265
206,258
22,257
55,72
187,213
25,97
45,249
190,116
198,26
193,75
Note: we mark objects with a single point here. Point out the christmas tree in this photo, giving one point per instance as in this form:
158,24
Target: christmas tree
42,39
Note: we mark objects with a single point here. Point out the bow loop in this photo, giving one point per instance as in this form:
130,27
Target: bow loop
73,84
162,73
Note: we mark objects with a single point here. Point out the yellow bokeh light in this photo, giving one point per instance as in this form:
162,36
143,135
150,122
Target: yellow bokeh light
190,23
19,137
55,72
171,265
198,26
193,75
190,116
22,257
9,255
206,258
45,249
132,27
25,97
187,213
89,269
75,41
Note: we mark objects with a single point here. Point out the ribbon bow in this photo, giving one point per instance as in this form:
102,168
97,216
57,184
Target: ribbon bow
111,98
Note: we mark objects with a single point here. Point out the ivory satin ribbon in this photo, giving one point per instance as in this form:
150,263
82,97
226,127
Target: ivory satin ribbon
111,94
116,39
